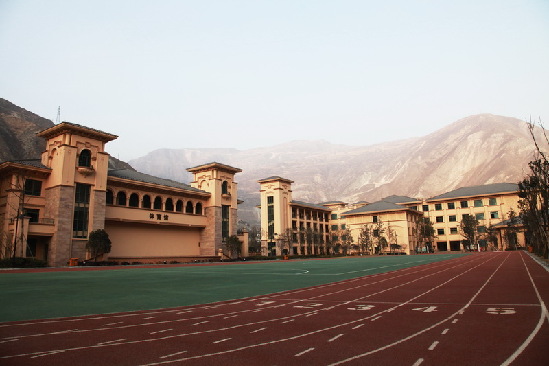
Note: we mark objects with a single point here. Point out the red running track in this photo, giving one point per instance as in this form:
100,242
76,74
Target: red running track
482,309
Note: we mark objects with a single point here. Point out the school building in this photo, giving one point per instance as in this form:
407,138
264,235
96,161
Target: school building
49,206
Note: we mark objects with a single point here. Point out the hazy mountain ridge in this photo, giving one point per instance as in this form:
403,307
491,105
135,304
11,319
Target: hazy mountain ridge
479,149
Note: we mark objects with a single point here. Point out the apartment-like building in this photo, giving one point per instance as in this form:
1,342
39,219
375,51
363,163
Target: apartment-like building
397,219
49,206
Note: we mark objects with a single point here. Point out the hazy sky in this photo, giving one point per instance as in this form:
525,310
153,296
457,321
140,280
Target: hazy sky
255,73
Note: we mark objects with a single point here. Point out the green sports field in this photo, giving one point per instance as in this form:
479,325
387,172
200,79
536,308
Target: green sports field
54,294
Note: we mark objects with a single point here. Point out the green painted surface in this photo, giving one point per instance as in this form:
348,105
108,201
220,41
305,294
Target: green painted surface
43,295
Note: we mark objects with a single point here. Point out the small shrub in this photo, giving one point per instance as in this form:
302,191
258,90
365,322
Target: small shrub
19,262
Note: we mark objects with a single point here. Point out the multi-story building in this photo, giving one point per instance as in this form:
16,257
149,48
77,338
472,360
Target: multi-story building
49,206
397,219
490,204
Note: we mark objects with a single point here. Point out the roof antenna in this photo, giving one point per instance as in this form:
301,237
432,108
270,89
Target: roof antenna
58,118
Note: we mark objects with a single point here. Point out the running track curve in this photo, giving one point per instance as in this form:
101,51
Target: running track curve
481,309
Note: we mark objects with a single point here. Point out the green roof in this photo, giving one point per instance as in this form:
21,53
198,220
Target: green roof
482,190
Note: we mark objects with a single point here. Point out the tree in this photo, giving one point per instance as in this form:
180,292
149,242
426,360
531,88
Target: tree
469,230
345,239
98,243
426,234
254,239
233,246
379,230
510,232
284,242
534,196
366,239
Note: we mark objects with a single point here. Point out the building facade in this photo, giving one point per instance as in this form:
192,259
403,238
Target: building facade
390,225
49,206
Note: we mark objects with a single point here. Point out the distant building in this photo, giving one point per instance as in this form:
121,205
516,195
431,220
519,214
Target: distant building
299,228
49,206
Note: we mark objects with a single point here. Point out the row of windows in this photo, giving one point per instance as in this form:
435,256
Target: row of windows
158,203
309,215
478,216
454,230
492,201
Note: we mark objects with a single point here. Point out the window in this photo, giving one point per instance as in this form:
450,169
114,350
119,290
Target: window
494,215
451,205
179,206
374,218
438,206
439,219
425,208
33,187
452,218
440,231
84,159
81,210
343,227
414,207
453,230
134,200
478,203
335,238
225,188
146,201
492,201
110,197
189,208
334,217
157,204
376,233
32,213
270,200
169,205
121,198
464,204
225,212
199,208
480,216
481,229
334,227
464,216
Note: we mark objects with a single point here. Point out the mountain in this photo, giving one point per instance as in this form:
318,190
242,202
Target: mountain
475,150
18,140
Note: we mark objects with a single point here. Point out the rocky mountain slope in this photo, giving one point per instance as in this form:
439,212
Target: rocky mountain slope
18,140
479,149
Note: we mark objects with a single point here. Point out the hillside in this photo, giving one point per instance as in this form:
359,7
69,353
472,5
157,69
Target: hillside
18,140
479,149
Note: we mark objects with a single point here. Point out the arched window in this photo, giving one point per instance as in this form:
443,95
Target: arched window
225,187
134,200
199,208
121,199
146,201
169,205
110,197
189,208
85,158
179,206
157,203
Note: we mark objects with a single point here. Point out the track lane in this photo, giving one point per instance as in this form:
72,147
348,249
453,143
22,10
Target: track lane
366,313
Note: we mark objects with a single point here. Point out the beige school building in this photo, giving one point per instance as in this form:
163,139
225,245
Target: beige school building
299,228
48,206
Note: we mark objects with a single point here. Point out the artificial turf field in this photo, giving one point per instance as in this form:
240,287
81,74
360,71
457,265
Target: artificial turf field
52,294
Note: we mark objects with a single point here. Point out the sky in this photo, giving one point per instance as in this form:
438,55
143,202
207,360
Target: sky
245,74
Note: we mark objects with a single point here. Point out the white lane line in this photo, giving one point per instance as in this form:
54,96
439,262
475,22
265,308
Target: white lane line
445,331
336,337
232,316
222,340
358,326
161,331
433,345
205,321
173,354
543,314
258,330
302,353
455,321
376,318
288,321
418,362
